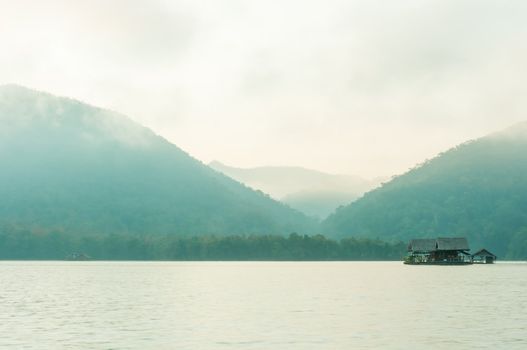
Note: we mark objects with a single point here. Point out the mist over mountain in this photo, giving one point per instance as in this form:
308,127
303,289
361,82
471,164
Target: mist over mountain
477,189
313,192
71,167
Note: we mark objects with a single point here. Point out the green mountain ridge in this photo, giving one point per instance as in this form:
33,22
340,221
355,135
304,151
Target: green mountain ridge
477,189
71,167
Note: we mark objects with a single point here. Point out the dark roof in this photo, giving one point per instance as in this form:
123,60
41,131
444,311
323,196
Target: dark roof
452,243
422,245
483,252
441,243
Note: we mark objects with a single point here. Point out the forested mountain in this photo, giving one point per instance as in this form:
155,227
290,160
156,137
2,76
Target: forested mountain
313,192
477,190
70,167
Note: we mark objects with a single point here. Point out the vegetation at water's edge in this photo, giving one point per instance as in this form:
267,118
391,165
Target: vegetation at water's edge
26,245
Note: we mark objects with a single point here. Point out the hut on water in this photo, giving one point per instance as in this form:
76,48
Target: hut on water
439,251
483,256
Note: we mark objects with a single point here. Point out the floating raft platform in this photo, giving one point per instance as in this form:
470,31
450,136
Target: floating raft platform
445,251
439,263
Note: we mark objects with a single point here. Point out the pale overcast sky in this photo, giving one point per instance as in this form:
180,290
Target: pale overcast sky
365,87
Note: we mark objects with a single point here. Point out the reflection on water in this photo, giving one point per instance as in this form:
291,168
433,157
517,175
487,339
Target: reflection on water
267,305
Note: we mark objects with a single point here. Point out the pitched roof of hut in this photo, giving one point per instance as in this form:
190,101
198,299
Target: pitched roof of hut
452,243
441,243
483,252
422,245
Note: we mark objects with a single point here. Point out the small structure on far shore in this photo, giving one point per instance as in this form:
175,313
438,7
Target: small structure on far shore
78,257
438,251
483,256
445,251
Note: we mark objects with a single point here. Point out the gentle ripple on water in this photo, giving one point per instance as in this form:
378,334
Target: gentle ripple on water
261,305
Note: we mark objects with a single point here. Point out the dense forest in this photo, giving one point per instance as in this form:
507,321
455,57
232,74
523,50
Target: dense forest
24,244
69,166
477,190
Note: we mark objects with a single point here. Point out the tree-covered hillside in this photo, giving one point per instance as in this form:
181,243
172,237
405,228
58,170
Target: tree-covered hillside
70,167
477,190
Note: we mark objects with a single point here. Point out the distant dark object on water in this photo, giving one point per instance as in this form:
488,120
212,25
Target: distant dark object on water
438,251
483,256
78,257
445,251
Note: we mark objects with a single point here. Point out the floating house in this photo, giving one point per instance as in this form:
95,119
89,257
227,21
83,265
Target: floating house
438,251
483,256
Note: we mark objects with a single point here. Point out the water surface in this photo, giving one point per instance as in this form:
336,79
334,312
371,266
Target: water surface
261,305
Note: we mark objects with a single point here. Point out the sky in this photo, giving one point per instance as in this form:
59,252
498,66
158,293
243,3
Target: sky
359,87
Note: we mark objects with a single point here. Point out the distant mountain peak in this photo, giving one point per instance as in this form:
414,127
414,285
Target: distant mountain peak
278,169
311,191
216,164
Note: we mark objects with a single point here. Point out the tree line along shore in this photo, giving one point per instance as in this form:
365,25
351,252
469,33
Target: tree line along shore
27,245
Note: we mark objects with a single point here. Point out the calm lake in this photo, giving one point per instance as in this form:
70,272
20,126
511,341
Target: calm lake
261,305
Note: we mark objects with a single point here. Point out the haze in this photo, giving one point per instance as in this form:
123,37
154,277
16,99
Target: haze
362,87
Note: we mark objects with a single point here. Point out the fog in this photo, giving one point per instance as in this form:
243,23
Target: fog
363,87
